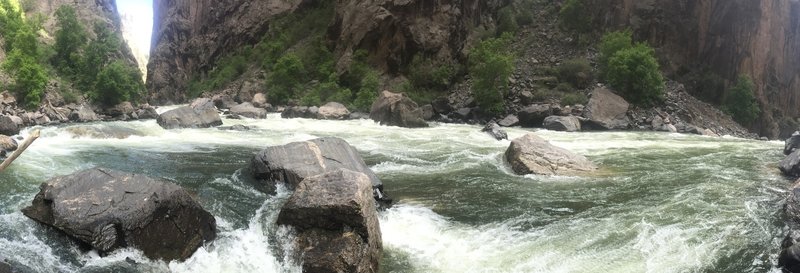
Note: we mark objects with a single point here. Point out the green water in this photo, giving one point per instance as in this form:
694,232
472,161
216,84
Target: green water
660,203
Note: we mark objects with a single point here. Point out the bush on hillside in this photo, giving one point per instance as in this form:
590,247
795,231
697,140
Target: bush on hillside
70,39
740,102
610,44
286,78
368,92
635,73
577,72
575,16
490,67
117,82
507,21
30,78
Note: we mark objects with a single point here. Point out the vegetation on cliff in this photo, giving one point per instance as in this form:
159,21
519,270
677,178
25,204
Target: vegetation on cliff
740,102
490,67
632,69
92,67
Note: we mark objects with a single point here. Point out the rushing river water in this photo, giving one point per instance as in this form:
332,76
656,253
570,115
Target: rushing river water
661,202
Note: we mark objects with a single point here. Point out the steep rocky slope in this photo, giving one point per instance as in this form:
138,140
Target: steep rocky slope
726,38
189,36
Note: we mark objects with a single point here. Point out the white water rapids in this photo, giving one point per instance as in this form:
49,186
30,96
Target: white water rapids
661,202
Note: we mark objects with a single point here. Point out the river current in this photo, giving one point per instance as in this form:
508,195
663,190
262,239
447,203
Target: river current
660,203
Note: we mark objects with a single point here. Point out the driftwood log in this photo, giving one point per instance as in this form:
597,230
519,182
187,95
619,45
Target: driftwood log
19,150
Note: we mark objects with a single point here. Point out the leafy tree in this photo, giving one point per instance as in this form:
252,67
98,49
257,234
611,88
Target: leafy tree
490,67
117,82
368,92
287,76
611,43
29,76
11,21
507,21
635,73
575,16
741,103
70,39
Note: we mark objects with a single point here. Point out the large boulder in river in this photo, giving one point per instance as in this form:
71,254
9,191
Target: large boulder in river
395,109
531,154
247,110
534,115
7,126
333,110
790,165
789,258
337,223
607,111
109,209
562,123
200,114
293,162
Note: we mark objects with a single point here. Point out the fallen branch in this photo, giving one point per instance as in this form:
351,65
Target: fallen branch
19,150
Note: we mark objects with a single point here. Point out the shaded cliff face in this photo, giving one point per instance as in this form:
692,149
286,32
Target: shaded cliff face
189,36
760,39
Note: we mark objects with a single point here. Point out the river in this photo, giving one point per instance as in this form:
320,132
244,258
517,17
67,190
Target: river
660,203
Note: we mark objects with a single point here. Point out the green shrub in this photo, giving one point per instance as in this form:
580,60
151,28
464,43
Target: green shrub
574,98
117,82
577,72
426,73
70,39
635,73
575,16
740,102
368,92
30,78
565,87
506,21
612,43
490,67
287,76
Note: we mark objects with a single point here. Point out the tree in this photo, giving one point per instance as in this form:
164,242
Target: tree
70,39
287,74
574,15
610,44
740,102
490,67
635,73
117,82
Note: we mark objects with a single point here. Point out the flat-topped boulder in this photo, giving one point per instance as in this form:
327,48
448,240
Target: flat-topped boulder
562,123
396,109
334,111
247,110
293,162
109,209
337,222
200,114
530,154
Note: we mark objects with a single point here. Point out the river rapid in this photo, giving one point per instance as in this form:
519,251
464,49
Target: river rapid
660,203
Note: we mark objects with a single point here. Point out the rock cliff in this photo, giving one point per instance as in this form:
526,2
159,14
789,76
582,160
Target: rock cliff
189,36
726,38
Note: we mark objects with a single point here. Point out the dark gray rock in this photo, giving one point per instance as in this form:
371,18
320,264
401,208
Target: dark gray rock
790,165
4,266
789,257
110,209
395,109
442,106
337,223
7,146
293,162
359,115
607,111
531,154
295,112
146,112
249,111
83,113
495,131
8,126
223,101
237,127
124,108
792,143
534,115
200,114
562,123
463,114
509,121
427,112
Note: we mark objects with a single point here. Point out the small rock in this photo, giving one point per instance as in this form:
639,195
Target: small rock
562,123
8,126
531,154
534,115
509,121
260,100
249,111
427,112
495,131
333,111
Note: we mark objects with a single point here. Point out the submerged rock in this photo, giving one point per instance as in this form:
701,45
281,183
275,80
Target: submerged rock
395,109
495,131
337,223
607,111
109,209
102,131
562,123
200,114
531,154
293,162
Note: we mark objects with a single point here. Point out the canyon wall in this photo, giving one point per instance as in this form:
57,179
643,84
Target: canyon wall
757,38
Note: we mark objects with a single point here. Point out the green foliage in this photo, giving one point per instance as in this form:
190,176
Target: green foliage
575,16
426,73
574,98
635,73
577,72
27,5
70,39
29,76
507,20
740,102
287,77
612,43
490,67
117,82
565,87
708,86
367,93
